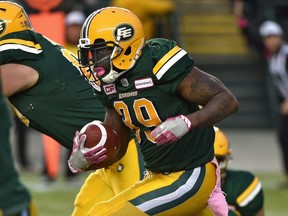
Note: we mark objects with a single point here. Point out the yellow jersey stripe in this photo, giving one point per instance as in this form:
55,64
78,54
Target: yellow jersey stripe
24,45
170,63
21,117
165,58
167,61
20,42
250,193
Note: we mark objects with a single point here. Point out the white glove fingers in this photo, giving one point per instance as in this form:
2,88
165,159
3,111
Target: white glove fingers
157,131
91,151
81,140
98,160
166,137
96,151
102,158
76,140
171,130
97,157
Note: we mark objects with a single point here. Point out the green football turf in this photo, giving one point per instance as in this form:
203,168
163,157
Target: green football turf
57,200
275,197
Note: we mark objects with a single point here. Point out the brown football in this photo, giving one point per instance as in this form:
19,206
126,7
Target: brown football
99,133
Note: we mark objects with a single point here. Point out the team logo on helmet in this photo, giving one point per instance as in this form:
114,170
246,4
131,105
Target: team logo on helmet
123,32
2,26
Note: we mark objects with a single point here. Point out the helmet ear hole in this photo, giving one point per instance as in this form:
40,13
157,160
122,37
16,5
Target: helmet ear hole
99,42
128,51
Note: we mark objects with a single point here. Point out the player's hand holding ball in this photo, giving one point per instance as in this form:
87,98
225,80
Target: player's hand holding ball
81,158
171,130
93,147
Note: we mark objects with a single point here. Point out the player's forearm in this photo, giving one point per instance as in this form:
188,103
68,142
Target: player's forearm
201,88
113,119
218,108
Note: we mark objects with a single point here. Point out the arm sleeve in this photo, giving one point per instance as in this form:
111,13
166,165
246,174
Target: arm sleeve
172,63
251,200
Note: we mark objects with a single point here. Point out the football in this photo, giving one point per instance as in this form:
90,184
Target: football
98,133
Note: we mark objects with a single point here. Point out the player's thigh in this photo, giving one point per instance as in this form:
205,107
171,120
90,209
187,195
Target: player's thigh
106,183
128,170
179,193
197,203
95,189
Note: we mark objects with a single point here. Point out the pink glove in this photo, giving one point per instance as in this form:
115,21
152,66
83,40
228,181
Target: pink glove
171,130
82,157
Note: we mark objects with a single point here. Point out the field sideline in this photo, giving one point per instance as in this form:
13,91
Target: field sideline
58,199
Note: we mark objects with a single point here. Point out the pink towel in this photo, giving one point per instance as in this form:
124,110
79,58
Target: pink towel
217,201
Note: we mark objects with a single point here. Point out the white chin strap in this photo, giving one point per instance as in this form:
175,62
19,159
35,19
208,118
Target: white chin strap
112,76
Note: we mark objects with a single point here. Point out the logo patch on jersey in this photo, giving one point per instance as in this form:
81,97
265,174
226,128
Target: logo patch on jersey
144,83
2,26
128,94
124,82
123,32
109,89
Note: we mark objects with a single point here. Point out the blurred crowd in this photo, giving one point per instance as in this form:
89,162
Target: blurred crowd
265,25
250,14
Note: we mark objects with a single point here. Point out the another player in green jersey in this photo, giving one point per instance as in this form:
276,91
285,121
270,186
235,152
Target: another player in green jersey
43,82
15,198
243,189
153,88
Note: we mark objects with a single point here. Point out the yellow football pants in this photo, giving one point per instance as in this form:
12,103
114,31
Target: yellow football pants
178,193
104,184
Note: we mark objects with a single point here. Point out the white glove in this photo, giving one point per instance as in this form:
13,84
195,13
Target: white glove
81,158
171,130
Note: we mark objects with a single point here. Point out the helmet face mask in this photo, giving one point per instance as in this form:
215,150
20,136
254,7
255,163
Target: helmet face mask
98,56
222,150
98,52
223,162
111,41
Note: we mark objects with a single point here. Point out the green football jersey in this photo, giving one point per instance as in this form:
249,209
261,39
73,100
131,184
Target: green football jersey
145,97
14,197
62,101
244,192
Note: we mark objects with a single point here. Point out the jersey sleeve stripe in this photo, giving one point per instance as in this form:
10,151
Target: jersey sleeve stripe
168,61
250,193
165,58
20,116
24,45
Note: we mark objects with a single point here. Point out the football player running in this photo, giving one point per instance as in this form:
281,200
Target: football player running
43,82
244,193
154,88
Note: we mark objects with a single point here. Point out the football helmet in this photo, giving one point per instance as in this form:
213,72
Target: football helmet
13,18
110,43
222,149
